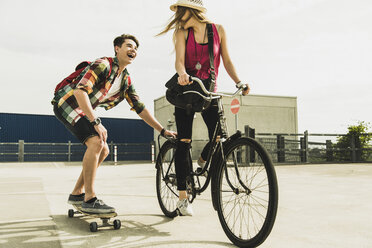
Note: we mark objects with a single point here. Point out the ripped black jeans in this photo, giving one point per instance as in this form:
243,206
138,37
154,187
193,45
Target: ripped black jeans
184,123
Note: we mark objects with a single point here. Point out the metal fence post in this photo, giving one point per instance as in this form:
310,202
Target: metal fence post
247,152
21,150
112,150
302,150
306,144
155,150
152,144
280,146
115,155
352,144
251,133
246,131
358,149
69,151
250,153
329,151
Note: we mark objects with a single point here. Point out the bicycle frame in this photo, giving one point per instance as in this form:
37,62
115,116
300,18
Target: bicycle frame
217,146
219,141
247,214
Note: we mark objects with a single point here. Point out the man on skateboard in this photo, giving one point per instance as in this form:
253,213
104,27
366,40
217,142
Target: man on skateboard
105,83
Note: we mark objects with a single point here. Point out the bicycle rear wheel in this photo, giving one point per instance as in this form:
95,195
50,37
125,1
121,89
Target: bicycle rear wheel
166,182
247,193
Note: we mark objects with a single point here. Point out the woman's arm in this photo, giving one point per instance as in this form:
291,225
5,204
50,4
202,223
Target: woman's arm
180,47
228,64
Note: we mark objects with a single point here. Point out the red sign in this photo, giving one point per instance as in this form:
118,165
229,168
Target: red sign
235,106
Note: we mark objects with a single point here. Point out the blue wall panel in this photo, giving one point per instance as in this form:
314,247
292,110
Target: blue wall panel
46,128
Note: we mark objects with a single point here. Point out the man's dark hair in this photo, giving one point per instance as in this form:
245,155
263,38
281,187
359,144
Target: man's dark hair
121,39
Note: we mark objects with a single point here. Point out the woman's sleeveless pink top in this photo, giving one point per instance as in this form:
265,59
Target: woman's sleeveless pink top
199,53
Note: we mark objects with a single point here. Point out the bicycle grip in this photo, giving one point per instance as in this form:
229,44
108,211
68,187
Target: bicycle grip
242,86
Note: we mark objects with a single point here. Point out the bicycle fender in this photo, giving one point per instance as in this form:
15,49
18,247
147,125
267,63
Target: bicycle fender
235,136
158,158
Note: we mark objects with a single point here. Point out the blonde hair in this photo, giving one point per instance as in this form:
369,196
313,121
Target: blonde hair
175,20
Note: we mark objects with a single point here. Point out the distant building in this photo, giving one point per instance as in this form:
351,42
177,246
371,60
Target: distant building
267,114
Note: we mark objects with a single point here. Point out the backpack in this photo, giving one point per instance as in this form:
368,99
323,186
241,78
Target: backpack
78,70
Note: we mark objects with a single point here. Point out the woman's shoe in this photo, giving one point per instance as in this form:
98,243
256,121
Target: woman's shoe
184,208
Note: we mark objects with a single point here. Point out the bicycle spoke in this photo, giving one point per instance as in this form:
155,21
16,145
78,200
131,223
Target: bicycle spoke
244,194
166,181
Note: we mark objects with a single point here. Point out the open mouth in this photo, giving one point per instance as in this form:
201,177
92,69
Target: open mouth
131,55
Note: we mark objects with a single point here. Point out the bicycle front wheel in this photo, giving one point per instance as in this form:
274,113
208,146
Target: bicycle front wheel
166,181
247,193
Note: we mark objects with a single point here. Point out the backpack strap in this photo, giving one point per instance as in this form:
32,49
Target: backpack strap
211,56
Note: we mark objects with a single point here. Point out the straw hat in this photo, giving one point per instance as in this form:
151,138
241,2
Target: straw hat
193,4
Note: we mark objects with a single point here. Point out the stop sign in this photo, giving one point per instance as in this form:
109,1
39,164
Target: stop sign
235,106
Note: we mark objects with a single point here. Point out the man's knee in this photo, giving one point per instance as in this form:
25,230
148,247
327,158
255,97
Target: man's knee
95,144
105,151
185,140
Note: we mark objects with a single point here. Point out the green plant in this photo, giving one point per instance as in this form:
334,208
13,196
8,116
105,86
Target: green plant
358,137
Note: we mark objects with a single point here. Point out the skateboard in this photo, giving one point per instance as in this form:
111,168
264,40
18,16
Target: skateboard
93,226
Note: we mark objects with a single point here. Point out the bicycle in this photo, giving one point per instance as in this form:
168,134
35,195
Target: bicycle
243,180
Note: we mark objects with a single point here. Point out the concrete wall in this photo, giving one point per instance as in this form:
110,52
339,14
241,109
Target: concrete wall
267,114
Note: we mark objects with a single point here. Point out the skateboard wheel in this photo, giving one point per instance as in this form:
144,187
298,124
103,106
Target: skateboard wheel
117,224
71,213
93,227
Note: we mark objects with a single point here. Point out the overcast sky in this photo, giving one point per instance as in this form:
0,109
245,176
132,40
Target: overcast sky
317,50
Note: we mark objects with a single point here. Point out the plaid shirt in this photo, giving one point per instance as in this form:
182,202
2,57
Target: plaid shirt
96,82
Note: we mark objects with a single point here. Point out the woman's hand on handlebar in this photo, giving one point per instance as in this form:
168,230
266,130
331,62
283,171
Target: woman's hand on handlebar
244,87
184,79
246,90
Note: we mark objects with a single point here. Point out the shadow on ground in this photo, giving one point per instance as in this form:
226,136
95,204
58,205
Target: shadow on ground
30,234
62,231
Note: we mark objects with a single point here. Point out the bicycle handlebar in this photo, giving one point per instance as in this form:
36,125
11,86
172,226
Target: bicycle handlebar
212,95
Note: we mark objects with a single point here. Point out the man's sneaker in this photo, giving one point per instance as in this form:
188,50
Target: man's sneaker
76,199
184,208
97,207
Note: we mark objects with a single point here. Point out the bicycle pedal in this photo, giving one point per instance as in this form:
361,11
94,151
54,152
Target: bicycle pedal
199,170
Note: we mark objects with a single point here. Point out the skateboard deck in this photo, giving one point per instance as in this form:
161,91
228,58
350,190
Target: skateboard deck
93,226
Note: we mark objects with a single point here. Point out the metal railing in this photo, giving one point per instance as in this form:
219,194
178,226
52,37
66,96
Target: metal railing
283,148
31,151
302,148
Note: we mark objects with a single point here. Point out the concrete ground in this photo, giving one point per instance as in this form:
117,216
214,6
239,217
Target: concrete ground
328,205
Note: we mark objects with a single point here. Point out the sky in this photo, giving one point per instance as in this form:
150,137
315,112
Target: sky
319,51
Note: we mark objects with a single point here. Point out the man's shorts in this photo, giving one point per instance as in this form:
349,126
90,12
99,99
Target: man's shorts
82,129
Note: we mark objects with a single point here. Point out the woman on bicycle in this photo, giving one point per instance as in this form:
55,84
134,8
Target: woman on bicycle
192,58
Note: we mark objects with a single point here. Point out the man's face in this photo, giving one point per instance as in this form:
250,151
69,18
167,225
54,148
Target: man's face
127,52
